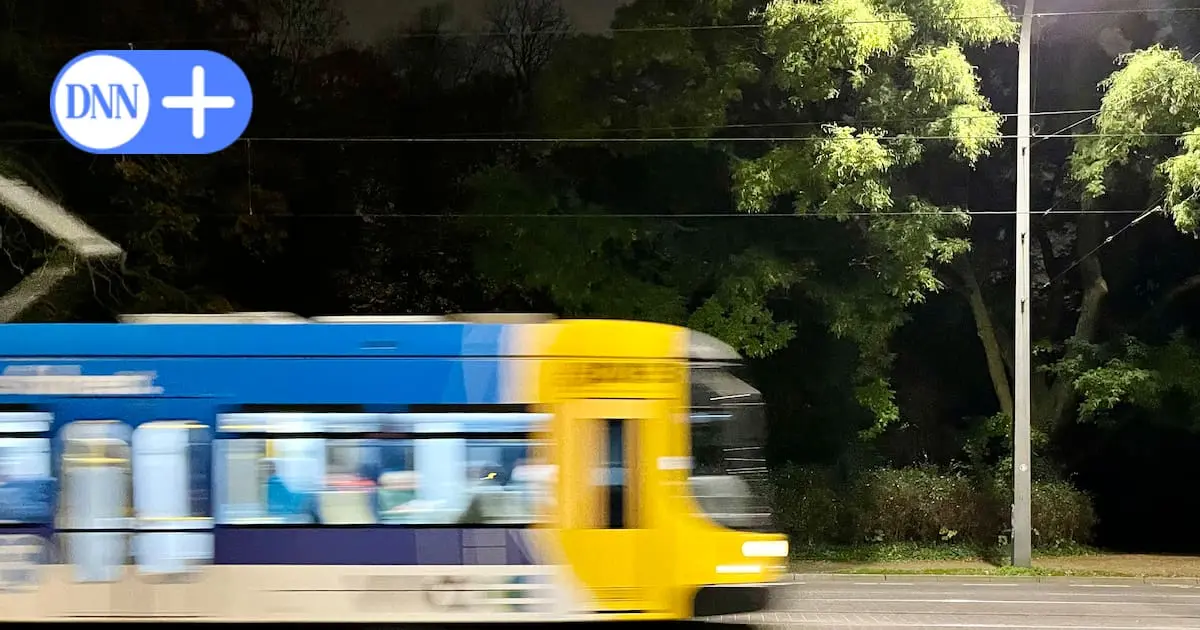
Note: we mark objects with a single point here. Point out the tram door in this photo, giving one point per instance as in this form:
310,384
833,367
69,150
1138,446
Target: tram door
133,526
614,540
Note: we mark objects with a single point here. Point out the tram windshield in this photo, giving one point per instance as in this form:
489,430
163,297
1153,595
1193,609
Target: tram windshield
729,466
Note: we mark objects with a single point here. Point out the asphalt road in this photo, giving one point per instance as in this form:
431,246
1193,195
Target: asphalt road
980,603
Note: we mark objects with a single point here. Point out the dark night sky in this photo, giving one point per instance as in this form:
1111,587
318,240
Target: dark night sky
371,18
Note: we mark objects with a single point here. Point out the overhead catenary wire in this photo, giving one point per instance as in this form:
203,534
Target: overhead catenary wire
638,140
949,212
798,123
1104,243
671,139
506,135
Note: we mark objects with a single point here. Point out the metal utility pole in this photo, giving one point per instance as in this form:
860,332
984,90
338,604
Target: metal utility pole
1022,544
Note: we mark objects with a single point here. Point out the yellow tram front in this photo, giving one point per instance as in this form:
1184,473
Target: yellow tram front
660,509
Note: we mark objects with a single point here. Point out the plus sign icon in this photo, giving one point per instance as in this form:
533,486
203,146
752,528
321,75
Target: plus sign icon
163,102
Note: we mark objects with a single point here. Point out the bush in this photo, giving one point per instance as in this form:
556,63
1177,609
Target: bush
805,503
1062,515
919,505
916,504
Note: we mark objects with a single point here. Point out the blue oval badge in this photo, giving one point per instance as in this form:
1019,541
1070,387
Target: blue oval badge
164,102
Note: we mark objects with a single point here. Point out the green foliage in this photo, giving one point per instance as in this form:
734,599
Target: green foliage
623,267
876,395
587,267
862,312
1103,387
1153,98
1107,376
1182,173
1130,372
737,311
919,506
844,52
1176,366
900,64
807,505
972,22
1062,515
817,45
888,552
653,81
909,247
916,504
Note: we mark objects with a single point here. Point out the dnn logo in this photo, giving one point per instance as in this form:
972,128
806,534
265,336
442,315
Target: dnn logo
151,102
110,100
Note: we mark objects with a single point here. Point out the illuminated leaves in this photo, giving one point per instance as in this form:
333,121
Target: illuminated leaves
1182,173
737,311
1151,109
815,46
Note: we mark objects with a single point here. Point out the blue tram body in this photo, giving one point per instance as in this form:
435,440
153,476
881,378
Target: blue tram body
55,375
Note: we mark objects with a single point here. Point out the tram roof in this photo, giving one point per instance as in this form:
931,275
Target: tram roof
230,340
270,335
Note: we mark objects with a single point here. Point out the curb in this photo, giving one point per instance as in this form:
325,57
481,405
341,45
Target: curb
908,577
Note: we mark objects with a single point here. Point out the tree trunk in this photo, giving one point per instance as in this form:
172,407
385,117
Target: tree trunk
1051,320
1094,287
997,368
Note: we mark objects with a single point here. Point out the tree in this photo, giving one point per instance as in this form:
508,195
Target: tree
1147,129
853,86
529,31
1075,268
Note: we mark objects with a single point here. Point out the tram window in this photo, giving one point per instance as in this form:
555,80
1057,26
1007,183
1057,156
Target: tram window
94,503
26,482
327,481
26,485
268,481
170,485
353,492
307,480
498,488
615,479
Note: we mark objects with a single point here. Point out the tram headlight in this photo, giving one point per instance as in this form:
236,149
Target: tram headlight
765,549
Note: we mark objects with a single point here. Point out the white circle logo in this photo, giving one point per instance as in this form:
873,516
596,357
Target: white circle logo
101,102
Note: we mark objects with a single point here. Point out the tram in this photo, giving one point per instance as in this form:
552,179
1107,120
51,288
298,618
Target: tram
268,467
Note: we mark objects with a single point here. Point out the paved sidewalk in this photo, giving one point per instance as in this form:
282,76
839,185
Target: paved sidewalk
915,577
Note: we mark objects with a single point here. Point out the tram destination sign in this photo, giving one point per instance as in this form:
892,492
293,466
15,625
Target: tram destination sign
591,374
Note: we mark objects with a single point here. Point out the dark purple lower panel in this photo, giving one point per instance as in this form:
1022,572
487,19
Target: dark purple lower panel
26,530
370,546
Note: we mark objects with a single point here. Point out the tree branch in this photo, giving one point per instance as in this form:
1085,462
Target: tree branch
532,28
1181,288
987,334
